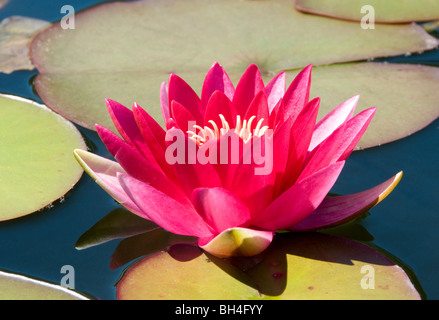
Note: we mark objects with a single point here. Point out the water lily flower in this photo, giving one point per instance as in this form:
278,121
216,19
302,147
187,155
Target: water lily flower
212,189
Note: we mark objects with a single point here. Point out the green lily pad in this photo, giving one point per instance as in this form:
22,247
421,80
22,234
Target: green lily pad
19,287
37,165
405,95
124,51
296,266
15,35
389,11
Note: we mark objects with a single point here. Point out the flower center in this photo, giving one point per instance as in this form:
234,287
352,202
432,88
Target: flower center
243,130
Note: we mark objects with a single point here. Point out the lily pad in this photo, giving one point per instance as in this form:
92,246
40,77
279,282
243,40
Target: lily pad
37,165
19,287
15,35
124,51
389,11
405,95
296,266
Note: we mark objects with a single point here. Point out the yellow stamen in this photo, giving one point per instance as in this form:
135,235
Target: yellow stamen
242,129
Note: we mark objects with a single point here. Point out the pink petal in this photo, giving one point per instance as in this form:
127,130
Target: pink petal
300,200
153,135
182,116
218,104
230,147
164,102
356,128
249,85
220,208
111,140
216,80
151,131
237,242
333,120
300,137
126,124
334,211
104,172
189,172
254,177
149,172
275,90
180,91
123,119
339,145
163,210
259,108
297,94
277,115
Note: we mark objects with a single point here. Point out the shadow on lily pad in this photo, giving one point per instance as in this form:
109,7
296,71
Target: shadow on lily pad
295,266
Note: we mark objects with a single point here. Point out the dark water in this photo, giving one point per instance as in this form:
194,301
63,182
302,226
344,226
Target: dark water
405,224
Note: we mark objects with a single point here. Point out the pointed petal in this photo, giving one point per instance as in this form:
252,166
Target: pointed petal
247,88
104,172
182,116
218,104
275,90
152,132
237,242
339,145
164,102
356,128
259,108
220,208
123,119
300,200
163,210
126,124
297,94
149,172
300,137
153,136
111,140
277,117
180,91
334,211
333,120
216,80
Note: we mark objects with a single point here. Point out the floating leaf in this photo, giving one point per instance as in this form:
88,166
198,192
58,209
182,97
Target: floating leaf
15,35
124,51
19,287
406,96
389,11
118,224
37,165
296,266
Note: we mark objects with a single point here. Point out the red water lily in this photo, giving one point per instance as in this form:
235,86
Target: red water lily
187,182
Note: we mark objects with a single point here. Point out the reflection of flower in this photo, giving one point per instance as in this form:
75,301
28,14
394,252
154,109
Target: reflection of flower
249,161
